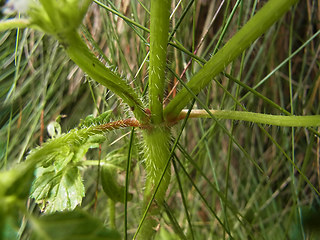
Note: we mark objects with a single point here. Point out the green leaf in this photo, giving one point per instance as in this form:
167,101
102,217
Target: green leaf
69,147
57,17
15,186
75,225
17,181
58,191
110,185
92,121
58,185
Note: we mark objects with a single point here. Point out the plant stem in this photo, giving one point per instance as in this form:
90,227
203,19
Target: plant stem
277,120
159,28
112,213
129,122
157,137
157,152
84,58
255,27
162,178
14,23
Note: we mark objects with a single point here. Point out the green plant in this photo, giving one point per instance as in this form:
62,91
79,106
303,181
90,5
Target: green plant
58,184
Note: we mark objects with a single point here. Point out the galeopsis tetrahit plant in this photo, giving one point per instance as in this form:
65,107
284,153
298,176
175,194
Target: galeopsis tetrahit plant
58,173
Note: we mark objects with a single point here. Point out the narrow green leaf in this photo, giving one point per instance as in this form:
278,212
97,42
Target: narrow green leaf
128,20
126,196
183,199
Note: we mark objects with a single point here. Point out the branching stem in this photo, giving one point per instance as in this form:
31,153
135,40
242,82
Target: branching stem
277,120
84,58
254,28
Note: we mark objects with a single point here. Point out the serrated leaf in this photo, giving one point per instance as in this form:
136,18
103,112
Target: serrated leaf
69,147
58,184
58,191
91,121
75,225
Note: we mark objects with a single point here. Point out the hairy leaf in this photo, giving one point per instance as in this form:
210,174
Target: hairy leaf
58,185
91,121
58,191
69,147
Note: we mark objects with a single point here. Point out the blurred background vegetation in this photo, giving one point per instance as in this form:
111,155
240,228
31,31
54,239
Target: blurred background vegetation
38,83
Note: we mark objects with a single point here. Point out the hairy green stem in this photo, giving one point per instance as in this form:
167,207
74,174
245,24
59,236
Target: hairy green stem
157,137
14,23
159,28
162,178
277,120
157,152
84,58
255,27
